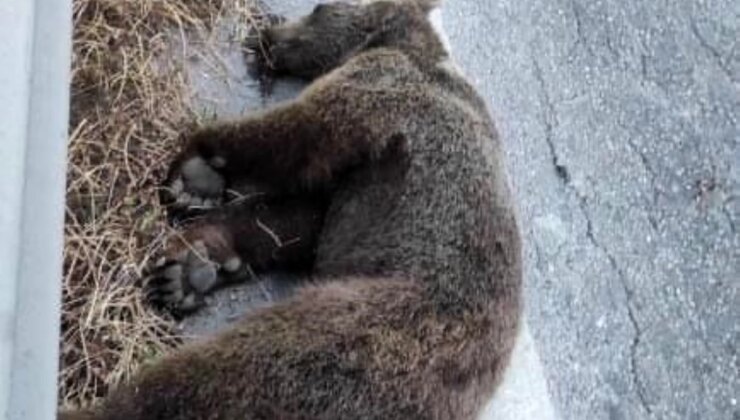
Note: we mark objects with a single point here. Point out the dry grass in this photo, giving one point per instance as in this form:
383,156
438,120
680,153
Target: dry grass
129,105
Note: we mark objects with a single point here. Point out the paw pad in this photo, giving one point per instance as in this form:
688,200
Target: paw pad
198,184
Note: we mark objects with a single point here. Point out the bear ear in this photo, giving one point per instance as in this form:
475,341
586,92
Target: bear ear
429,5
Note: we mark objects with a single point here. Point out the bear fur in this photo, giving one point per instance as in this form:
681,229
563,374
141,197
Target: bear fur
413,245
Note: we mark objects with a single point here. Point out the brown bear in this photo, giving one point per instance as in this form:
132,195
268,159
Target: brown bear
385,182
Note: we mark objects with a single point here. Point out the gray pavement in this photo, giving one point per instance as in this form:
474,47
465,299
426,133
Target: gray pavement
621,125
620,120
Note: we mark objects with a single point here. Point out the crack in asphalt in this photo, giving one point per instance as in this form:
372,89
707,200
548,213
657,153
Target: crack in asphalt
548,116
560,170
629,294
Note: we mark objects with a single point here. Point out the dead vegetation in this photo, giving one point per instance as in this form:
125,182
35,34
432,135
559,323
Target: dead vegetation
130,103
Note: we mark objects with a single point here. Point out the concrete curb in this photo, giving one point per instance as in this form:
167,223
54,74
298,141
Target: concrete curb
34,87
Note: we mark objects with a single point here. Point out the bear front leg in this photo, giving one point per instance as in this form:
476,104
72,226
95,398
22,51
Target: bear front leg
302,145
272,148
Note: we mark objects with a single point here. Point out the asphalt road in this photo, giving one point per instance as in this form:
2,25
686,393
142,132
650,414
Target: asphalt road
621,125
620,120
